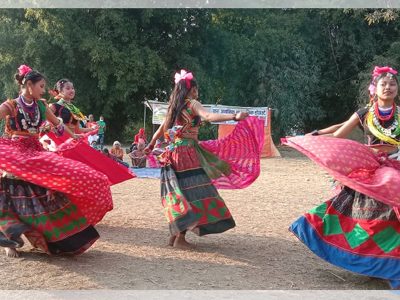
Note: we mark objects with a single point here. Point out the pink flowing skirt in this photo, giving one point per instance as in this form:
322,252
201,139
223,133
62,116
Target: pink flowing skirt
242,151
354,165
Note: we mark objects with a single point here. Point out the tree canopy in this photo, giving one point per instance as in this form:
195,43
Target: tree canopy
312,66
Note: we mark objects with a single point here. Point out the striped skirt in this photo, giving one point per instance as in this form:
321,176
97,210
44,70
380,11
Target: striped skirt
190,200
49,220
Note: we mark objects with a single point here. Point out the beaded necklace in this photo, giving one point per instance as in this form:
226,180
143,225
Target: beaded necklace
76,113
386,134
30,112
382,117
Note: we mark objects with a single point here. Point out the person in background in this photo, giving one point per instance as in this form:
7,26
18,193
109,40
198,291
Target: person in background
138,156
117,150
102,129
91,123
108,154
93,144
141,135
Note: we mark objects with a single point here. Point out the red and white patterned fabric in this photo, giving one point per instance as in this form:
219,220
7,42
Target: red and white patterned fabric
87,188
354,165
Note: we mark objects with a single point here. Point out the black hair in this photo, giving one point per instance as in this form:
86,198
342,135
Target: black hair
384,75
60,84
33,76
177,101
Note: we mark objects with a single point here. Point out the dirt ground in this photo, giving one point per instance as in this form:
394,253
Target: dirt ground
260,253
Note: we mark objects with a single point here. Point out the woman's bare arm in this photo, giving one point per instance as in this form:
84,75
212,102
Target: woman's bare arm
4,111
327,130
159,133
51,117
82,130
347,127
212,117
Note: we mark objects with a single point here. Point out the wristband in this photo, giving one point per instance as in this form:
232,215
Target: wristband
315,132
61,121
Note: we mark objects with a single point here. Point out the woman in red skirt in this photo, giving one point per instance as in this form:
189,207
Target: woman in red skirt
52,200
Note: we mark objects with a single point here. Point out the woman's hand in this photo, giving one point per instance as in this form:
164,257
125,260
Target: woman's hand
241,116
313,133
46,127
389,149
93,131
148,149
76,137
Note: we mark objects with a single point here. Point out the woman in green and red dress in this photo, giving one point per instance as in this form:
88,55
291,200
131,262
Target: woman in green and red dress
64,92
71,115
52,200
192,170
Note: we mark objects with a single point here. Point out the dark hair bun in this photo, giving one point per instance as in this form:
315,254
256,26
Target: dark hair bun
32,75
18,78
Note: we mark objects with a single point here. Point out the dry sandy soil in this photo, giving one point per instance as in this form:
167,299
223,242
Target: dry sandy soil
260,253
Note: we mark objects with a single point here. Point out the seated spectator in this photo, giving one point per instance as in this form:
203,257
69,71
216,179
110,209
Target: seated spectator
93,144
138,156
140,135
108,154
92,139
117,150
132,148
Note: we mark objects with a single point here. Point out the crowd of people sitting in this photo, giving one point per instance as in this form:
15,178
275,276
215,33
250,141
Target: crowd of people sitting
136,154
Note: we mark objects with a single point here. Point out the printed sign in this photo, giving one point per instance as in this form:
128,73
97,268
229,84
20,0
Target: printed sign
261,112
160,111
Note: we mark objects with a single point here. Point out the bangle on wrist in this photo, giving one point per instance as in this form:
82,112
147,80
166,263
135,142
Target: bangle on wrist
150,146
61,122
315,132
234,117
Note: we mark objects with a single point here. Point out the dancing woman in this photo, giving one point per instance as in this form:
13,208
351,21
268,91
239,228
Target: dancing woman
359,228
191,169
71,115
52,200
